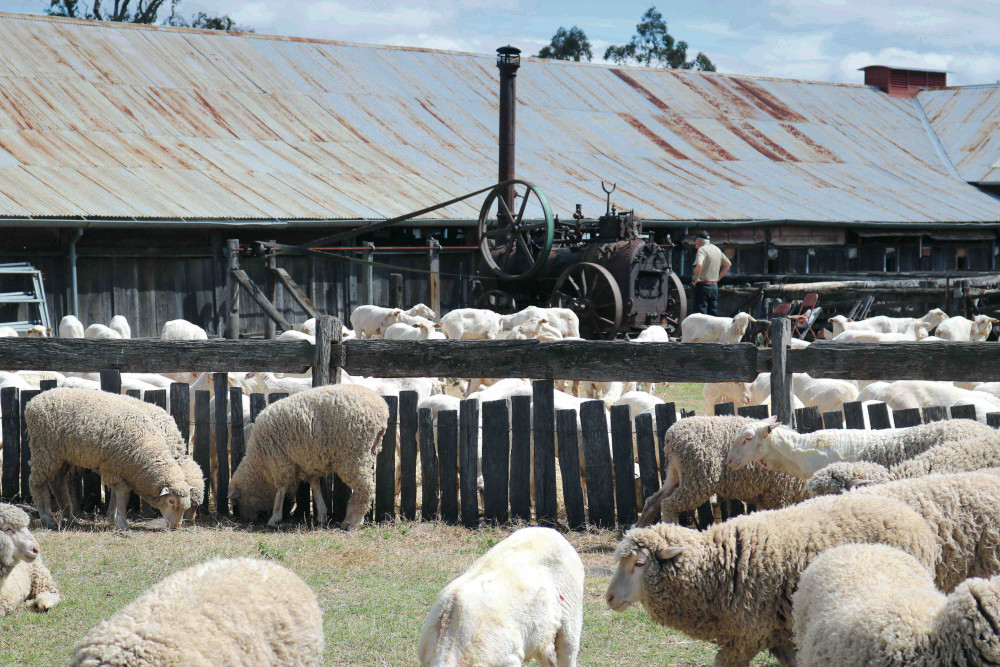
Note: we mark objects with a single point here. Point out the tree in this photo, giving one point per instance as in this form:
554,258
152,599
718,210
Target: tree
569,44
653,45
206,22
143,11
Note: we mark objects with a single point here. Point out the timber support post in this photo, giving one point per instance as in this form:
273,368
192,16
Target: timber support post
434,277
232,254
781,379
367,278
395,290
272,291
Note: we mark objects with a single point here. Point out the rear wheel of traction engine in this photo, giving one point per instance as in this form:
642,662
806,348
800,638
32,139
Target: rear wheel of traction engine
498,301
675,309
515,240
591,292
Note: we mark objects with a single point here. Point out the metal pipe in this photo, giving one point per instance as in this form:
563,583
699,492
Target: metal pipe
74,295
508,61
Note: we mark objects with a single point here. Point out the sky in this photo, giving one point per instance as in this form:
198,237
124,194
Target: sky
823,40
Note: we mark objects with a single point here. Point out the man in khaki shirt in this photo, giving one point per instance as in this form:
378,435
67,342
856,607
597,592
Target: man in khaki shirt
710,265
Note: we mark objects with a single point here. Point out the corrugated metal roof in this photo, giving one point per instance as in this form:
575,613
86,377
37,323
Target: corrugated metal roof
118,121
967,121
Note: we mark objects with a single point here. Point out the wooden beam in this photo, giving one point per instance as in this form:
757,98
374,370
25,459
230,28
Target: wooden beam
781,376
258,295
296,291
82,355
272,293
570,360
950,360
232,255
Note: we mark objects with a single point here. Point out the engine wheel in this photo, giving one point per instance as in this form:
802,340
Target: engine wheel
591,292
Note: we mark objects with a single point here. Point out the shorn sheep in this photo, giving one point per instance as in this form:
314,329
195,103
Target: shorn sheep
732,584
335,429
238,611
961,328
71,327
101,332
521,601
803,454
699,328
23,576
182,330
696,470
120,324
867,604
111,435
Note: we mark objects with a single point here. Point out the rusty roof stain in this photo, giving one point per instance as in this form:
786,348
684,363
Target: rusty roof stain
120,121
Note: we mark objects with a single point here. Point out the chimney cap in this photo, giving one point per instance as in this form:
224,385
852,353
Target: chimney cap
907,69
509,50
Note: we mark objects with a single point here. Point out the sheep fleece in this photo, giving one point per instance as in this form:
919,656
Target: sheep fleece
22,582
237,611
733,583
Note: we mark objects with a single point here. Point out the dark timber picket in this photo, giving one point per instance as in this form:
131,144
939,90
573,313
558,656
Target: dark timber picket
520,458
569,467
385,466
180,410
808,420
133,393
993,419
725,409
963,412
600,486
221,382
257,404
202,434
448,462
936,413
236,420
428,465
666,416
26,396
878,416
408,454
45,385
544,426
468,438
496,457
753,411
646,449
833,419
906,417
10,422
621,443
854,416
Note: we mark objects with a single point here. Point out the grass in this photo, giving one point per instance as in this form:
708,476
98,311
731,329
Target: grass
375,587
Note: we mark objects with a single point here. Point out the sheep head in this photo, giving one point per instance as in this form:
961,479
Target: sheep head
17,544
839,324
982,326
643,552
740,323
935,317
172,503
921,330
748,445
844,476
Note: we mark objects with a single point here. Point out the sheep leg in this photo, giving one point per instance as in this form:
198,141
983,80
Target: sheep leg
119,495
321,508
279,507
568,641
40,493
651,508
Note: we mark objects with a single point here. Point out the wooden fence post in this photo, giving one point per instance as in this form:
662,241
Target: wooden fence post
395,290
496,460
569,466
271,262
26,396
666,416
448,463
10,422
833,419
158,398
878,416
935,413
854,416
993,419
543,426
725,409
408,454
232,256
808,419
236,420
646,448
468,439
753,411
429,465
202,434
600,491
328,331
221,384
367,274
621,443
906,417
434,275
781,379
258,402
45,385
963,412
520,458
133,393
385,466
180,410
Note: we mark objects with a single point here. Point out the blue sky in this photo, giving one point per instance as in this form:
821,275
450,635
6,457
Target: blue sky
823,40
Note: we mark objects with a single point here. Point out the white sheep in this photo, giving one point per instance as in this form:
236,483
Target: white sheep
308,327
521,601
563,320
120,324
865,336
37,331
334,429
71,327
803,454
420,331
533,328
866,604
292,334
182,330
924,393
371,321
732,584
23,576
8,332
237,611
961,328
421,310
700,328
825,394
716,393
471,324
884,324
654,333
109,434
101,332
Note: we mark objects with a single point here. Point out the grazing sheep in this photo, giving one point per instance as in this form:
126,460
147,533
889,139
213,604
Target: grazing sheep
307,437
110,434
696,470
23,576
8,332
120,324
236,611
182,330
714,393
521,601
868,604
471,324
732,584
101,332
700,328
961,328
71,327
803,454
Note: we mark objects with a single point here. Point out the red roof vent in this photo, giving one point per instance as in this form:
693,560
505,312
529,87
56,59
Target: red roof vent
899,82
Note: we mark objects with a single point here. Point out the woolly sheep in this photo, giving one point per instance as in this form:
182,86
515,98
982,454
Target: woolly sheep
866,604
471,324
110,434
308,327
8,332
120,324
237,611
521,601
925,393
101,332
71,327
803,454
182,330
961,328
700,328
334,429
696,470
732,584
23,576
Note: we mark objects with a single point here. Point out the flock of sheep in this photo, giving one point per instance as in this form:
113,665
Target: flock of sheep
896,560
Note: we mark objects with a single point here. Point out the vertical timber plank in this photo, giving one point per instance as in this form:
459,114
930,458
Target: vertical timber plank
221,382
202,432
569,466
906,417
666,416
180,410
543,427
10,423
428,466
596,451
646,448
408,454
854,416
468,441
26,396
385,466
496,460
621,444
520,458
447,433
878,416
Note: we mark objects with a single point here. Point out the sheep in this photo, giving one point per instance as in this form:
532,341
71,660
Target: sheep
182,330
110,434
37,331
732,584
919,332
654,333
521,601
268,383
696,470
563,320
471,324
884,324
803,454
699,328
372,321
826,395
236,611
924,393
120,324
330,429
71,327
15,380
420,331
23,576
291,334
101,332
725,392
961,328
866,604
308,327
420,310
8,332
536,328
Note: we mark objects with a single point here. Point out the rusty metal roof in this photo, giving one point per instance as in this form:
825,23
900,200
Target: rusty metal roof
967,122
125,122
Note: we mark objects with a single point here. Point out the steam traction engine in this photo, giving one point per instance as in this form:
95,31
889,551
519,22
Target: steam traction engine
603,269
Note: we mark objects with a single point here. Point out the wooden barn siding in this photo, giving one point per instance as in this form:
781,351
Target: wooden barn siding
151,291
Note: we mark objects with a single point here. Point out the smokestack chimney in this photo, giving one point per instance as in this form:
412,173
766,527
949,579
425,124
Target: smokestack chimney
508,60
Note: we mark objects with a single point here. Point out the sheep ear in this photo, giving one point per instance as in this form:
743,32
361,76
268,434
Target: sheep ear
855,483
668,553
235,493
